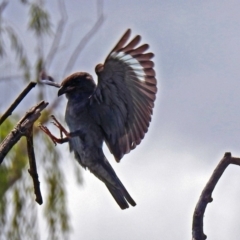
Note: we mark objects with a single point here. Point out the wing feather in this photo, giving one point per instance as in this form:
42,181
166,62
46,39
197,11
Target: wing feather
124,98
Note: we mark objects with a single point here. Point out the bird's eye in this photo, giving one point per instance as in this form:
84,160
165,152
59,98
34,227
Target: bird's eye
70,88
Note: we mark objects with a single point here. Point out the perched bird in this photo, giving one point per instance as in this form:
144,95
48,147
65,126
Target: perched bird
117,110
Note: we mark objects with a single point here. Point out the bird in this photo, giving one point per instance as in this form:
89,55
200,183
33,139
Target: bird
117,110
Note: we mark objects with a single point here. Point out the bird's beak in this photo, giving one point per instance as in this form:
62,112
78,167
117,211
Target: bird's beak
61,91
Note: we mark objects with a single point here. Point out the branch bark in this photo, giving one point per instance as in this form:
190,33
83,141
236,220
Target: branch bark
17,101
33,166
21,129
206,196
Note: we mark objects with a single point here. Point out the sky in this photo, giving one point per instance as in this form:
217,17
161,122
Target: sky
196,119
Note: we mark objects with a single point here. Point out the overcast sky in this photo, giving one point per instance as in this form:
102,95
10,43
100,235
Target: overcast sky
195,121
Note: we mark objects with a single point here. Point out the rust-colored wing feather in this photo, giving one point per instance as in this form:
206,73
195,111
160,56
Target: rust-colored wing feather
124,98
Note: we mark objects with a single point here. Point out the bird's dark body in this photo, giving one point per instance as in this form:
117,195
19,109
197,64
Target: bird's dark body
90,135
87,146
117,110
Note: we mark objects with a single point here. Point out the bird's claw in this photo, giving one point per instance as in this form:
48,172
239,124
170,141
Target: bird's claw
59,126
46,130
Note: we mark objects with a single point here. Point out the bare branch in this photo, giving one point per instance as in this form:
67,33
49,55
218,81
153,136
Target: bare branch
206,196
3,5
33,166
21,129
99,8
48,80
17,101
85,39
59,33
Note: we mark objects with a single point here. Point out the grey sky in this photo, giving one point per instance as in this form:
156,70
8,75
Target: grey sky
196,119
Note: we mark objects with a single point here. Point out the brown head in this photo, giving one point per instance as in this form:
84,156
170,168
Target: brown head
77,83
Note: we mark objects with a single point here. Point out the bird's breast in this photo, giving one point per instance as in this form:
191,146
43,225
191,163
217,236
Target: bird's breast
78,119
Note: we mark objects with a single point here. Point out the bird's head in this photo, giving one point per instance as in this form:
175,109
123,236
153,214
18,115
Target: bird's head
77,83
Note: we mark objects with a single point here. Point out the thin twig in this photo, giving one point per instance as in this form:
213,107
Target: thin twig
85,39
33,166
59,33
206,196
3,5
17,101
21,129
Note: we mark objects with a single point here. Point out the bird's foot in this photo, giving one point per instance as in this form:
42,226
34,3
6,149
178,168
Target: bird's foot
60,127
46,130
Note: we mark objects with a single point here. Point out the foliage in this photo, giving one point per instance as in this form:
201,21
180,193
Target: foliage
16,193
18,210
39,20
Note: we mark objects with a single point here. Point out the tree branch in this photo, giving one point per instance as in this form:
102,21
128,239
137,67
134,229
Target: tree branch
17,101
206,196
21,129
33,166
3,5
86,38
59,33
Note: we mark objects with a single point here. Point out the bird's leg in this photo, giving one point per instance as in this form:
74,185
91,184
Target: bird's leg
52,137
60,127
62,130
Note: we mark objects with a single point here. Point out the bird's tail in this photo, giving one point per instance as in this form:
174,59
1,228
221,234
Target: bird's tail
121,196
105,173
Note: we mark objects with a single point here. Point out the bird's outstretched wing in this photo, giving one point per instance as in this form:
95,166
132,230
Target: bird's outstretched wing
124,98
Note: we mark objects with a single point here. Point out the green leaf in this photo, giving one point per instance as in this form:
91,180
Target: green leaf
39,20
